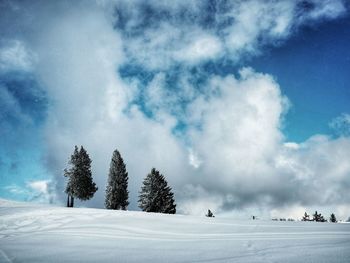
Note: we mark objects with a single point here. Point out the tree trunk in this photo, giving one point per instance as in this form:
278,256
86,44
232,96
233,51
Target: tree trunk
72,201
68,200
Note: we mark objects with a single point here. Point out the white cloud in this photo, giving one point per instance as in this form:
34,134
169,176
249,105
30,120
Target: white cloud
193,159
197,201
238,156
325,9
341,124
244,158
39,186
42,191
14,55
179,32
200,47
295,212
15,189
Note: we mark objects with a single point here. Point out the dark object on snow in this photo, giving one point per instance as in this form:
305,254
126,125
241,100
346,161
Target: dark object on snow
80,184
209,214
333,219
318,217
156,195
117,194
306,217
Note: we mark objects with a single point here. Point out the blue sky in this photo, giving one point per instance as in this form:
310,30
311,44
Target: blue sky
256,90
312,69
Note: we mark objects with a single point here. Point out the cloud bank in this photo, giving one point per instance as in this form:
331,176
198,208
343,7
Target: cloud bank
130,75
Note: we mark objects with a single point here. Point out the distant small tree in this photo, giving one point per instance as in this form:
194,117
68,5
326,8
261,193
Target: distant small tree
80,184
306,217
156,195
333,219
318,217
209,214
117,194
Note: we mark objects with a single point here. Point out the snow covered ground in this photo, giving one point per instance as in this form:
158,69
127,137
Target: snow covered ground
34,233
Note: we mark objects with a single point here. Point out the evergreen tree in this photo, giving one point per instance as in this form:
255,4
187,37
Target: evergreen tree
117,194
318,217
156,195
67,173
80,184
306,217
333,219
209,214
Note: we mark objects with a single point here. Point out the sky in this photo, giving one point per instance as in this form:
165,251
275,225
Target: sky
242,105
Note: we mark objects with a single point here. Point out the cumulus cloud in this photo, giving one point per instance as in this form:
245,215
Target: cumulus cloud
217,139
158,35
341,124
42,191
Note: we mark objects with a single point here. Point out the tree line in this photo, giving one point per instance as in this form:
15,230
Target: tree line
318,217
155,194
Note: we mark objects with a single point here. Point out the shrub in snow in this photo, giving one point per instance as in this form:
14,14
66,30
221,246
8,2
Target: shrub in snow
209,214
333,219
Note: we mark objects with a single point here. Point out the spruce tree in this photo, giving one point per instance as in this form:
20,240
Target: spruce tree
333,219
156,195
318,217
67,173
80,184
117,194
306,217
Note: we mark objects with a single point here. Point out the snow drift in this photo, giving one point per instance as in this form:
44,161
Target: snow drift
37,233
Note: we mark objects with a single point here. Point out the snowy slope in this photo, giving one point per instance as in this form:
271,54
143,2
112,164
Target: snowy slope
34,233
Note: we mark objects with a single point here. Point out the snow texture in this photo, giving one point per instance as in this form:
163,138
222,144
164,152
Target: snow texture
37,233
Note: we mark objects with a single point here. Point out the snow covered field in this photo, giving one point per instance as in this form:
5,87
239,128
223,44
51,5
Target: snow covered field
34,233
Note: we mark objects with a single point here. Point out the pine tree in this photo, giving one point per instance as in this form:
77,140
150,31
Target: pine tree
156,195
117,194
318,217
67,173
80,184
333,219
306,217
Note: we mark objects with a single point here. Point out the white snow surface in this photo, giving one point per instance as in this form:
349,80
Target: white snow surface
38,233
